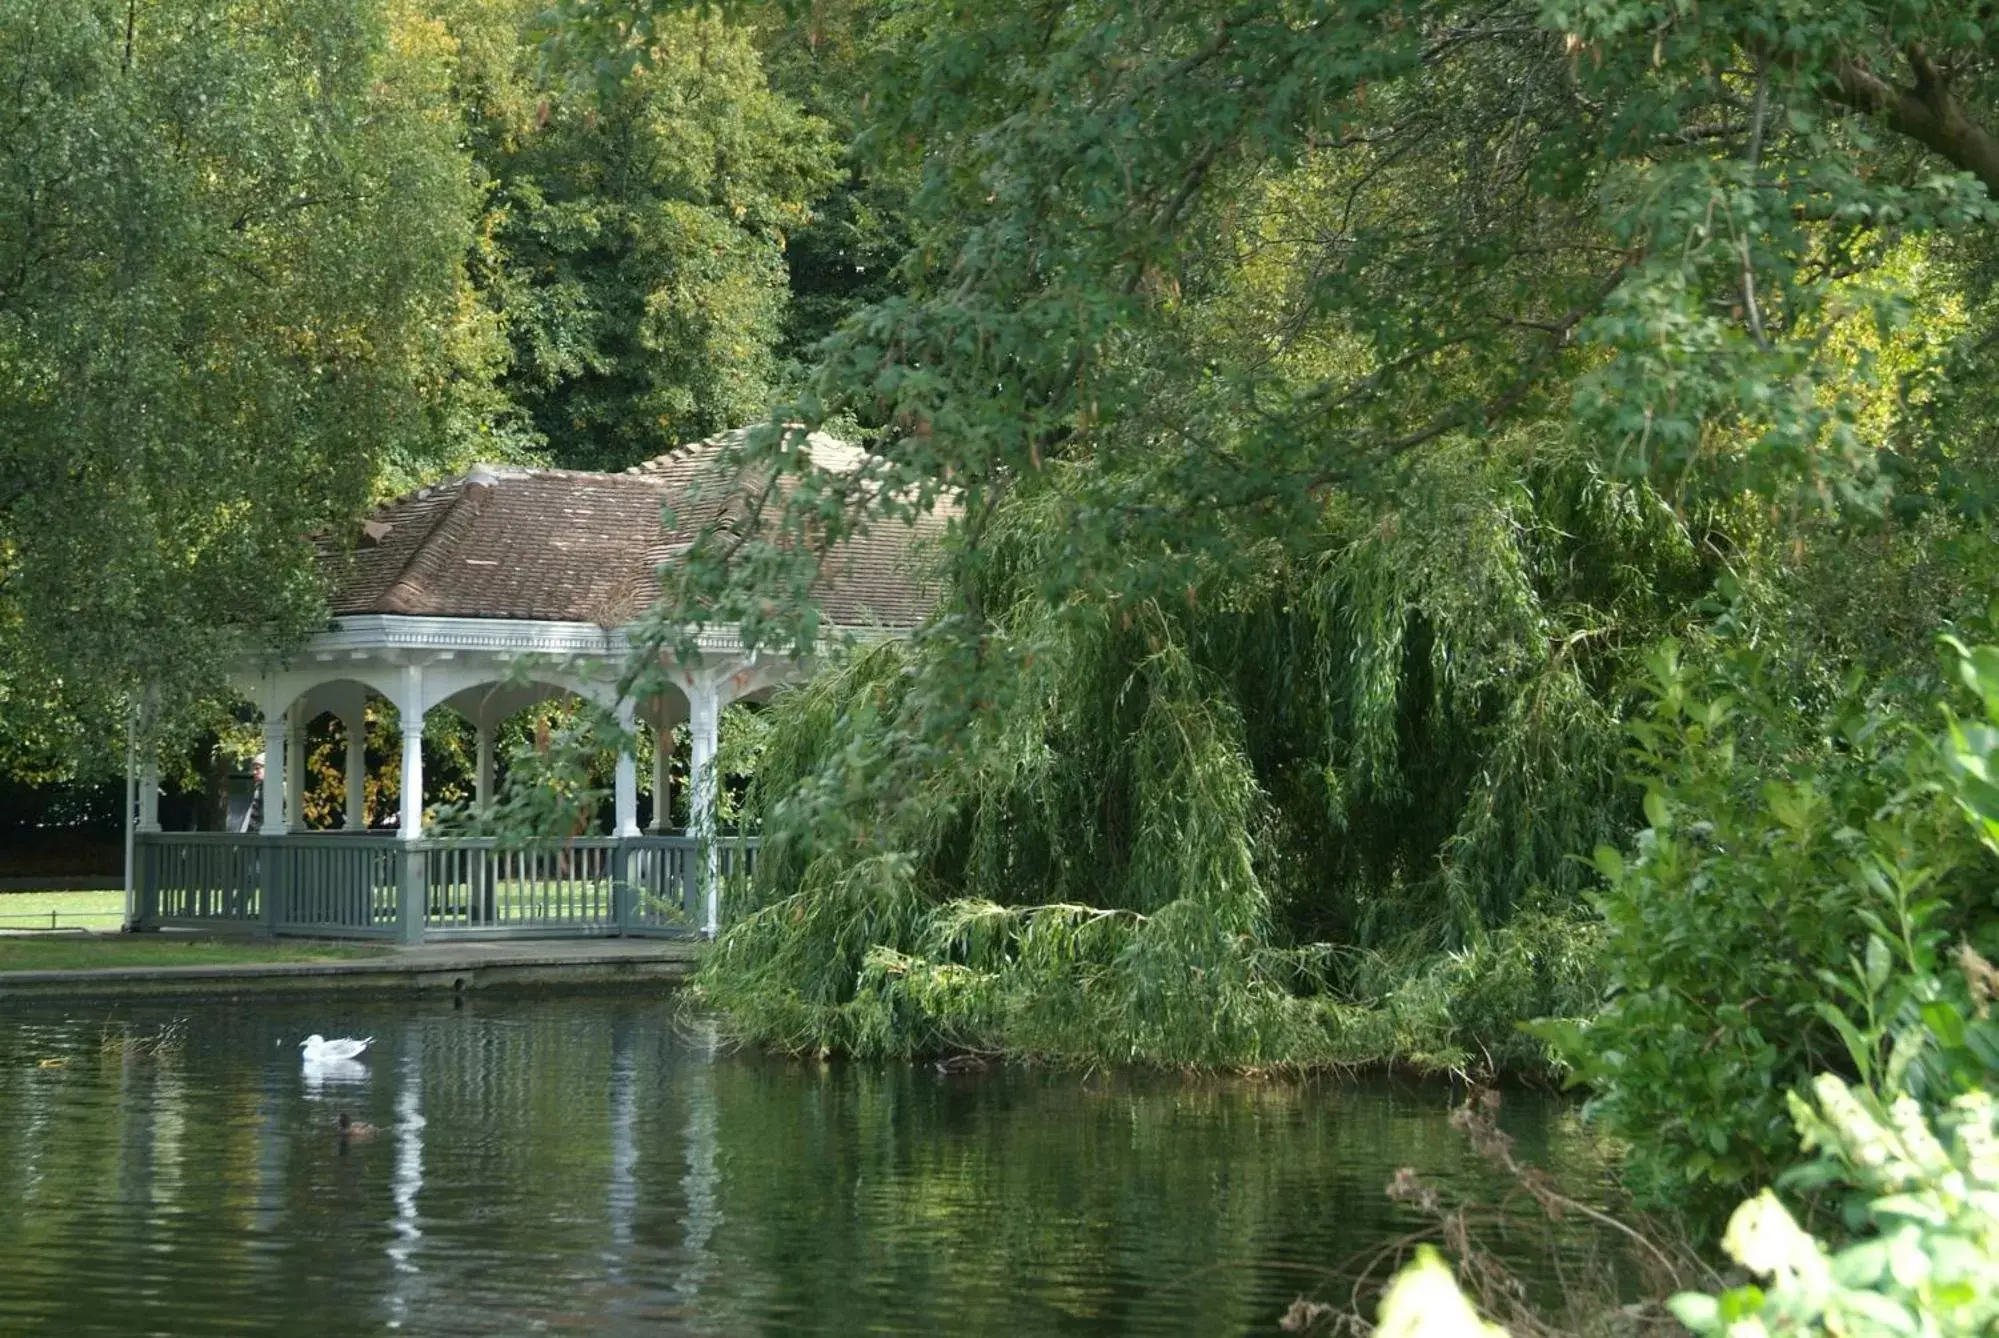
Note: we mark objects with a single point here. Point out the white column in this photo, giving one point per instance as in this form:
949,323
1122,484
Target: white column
142,769
625,785
131,819
356,728
704,721
410,706
662,773
295,768
482,776
274,762
149,788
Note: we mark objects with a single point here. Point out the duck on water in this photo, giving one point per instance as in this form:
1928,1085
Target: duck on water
353,1130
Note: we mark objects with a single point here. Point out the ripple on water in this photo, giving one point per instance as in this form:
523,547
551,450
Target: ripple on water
603,1166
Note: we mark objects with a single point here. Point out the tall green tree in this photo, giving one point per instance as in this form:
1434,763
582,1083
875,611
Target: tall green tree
259,267
1657,225
638,238
847,254
231,253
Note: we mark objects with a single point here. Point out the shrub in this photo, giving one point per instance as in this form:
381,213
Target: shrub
1927,1261
1785,911
1924,1260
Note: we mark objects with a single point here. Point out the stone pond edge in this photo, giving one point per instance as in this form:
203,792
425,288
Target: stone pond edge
427,972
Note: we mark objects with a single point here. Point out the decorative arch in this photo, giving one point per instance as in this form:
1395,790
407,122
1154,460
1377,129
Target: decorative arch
760,678
486,670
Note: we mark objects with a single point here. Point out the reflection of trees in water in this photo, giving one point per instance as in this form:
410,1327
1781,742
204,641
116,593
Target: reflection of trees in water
1164,1205
583,1161
555,1141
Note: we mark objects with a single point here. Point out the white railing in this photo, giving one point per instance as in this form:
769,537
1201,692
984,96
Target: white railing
369,886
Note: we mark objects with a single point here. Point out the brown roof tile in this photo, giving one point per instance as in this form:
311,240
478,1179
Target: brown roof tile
567,546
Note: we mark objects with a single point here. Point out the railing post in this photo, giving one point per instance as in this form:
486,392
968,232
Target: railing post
690,883
276,871
622,891
489,883
145,882
415,889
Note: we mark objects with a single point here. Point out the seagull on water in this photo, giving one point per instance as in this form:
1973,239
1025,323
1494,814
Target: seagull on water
319,1050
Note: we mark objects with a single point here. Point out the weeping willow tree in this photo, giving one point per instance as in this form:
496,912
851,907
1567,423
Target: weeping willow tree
1144,829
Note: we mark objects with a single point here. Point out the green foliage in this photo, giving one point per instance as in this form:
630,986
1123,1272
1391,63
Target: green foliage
1141,835
260,266
1972,750
1424,1301
1926,1260
638,240
1224,260
227,236
1923,1258
846,255
1324,402
1785,911
1462,1011
743,733
556,784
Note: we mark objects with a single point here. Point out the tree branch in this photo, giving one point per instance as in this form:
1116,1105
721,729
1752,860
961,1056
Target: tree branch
1749,302
1558,335
1928,113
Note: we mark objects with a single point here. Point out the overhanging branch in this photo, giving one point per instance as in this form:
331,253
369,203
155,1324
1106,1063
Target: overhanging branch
1929,113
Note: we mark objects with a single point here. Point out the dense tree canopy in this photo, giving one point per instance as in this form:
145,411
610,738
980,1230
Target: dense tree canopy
638,243
1334,402
1234,255
264,265
229,241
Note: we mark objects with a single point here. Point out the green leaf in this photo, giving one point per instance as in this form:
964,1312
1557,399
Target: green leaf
1856,1045
1880,962
1944,1022
1875,1310
1861,1265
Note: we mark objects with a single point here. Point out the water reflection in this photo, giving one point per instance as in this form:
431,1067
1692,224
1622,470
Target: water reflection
320,1074
266,1207
407,1178
700,1213
607,1166
623,1188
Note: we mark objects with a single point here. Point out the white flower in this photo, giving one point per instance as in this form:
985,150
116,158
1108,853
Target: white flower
1424,1302
1765,1239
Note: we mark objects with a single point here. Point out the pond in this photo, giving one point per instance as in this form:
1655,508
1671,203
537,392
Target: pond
606,1165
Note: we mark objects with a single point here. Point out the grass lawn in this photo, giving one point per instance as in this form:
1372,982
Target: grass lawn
75,952
104,912
71,910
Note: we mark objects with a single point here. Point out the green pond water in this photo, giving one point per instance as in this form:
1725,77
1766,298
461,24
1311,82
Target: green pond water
604,1165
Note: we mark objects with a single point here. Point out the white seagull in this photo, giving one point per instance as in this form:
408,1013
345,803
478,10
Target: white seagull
319,1050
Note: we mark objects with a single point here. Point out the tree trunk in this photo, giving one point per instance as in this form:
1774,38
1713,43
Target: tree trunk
212,804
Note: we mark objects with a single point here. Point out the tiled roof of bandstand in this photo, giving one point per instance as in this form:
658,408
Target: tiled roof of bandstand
563,545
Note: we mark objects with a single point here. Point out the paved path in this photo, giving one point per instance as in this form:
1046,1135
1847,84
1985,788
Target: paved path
446,967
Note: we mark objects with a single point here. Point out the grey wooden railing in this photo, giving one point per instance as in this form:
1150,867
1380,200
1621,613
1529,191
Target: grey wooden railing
208,878
369,886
